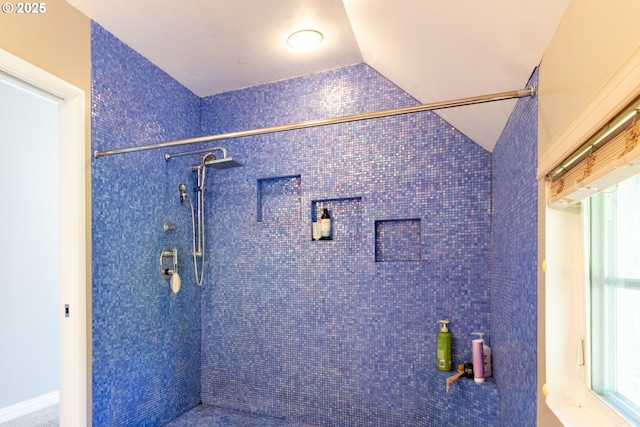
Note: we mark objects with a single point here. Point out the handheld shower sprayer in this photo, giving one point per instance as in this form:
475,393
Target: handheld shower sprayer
183,192
197,215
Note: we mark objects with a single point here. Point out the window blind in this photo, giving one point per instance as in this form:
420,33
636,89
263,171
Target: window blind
598,169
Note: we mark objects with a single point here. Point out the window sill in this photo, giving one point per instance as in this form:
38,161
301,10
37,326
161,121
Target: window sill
594,413
572,416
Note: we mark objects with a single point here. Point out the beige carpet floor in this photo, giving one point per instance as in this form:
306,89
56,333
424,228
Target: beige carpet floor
46,417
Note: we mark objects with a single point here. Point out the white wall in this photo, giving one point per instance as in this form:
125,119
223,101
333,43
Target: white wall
587,73
29,326
58,45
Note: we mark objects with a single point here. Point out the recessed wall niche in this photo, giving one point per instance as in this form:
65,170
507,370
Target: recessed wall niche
279,199
346,217
398,240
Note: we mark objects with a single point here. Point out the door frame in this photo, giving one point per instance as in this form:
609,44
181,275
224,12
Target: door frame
73,170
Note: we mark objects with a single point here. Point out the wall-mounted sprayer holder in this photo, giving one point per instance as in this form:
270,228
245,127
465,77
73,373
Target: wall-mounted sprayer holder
169,268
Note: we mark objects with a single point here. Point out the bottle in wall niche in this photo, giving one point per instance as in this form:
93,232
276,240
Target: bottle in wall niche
443,356
325,225
481,354
486,355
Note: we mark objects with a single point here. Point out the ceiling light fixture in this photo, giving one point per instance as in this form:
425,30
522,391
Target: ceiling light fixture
305,40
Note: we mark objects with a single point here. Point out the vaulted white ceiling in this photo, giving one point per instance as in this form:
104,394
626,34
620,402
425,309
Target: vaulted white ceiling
435,50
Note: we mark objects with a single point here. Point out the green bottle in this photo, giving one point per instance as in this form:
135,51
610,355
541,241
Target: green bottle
444,347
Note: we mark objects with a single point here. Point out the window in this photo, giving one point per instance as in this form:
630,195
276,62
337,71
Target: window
591,284
612,222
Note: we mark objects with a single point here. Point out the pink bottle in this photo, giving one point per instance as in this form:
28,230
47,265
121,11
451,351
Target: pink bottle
477,355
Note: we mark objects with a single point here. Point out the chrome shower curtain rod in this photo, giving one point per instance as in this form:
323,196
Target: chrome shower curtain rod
500,96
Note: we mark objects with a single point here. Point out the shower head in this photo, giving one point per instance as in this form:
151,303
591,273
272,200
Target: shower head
183,192
209,159
224,163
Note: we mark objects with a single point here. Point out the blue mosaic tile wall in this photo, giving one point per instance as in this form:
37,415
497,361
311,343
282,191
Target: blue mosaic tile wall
146,340
315,332
467,404
318,331
513,284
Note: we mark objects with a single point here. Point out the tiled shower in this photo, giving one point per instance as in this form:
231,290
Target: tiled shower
329,333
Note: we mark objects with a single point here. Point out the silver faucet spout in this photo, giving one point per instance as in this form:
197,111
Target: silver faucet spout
455,377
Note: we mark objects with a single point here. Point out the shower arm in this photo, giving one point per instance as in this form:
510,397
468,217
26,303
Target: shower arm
168,156
500,96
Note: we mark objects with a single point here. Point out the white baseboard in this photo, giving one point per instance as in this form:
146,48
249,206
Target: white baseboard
28,406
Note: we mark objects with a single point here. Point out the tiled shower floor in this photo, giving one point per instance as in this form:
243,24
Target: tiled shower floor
212,416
